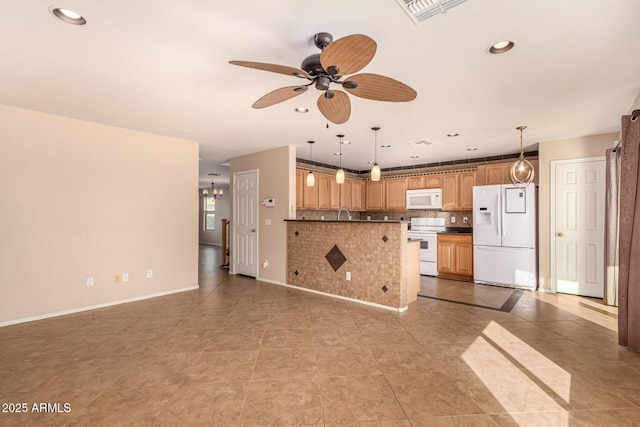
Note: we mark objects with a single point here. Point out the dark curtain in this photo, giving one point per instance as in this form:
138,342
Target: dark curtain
629,245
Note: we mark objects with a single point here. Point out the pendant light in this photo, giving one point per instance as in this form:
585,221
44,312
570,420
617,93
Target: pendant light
311,179
340,173
521,172
375,170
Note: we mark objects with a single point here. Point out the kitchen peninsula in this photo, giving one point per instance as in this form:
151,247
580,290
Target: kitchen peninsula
368,261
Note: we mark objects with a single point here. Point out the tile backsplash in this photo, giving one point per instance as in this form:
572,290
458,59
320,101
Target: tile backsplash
392,215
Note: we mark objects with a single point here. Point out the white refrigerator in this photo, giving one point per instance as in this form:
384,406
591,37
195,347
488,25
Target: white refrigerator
504,235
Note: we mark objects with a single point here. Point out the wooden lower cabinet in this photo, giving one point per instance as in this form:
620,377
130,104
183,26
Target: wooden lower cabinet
455,256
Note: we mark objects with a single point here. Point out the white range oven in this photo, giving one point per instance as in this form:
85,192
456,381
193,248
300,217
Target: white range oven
426,230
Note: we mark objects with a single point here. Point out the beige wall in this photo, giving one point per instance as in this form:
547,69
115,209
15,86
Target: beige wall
78,200
277,178
573,148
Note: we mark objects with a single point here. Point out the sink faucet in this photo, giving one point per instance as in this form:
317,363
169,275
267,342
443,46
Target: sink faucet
346,210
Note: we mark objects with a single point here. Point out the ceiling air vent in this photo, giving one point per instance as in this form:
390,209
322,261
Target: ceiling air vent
419,10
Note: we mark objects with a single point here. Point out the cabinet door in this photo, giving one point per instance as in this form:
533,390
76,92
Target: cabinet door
449,192
334,188
324,191
358,195
432,181
300,183
415,183
396,194
375,195
446,255
466,181
345,194
310,194
497,173
464,258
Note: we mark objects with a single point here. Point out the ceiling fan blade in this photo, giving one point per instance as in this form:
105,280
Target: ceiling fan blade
336,109
380,88
274,68
349,54
279,95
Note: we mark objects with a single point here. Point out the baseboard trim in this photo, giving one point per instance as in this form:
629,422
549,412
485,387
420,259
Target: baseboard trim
93,307
313,291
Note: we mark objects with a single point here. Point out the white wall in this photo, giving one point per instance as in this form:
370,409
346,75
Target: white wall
80,199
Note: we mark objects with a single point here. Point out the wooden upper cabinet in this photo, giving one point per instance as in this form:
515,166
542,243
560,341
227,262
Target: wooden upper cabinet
457,191
300,183
358,195
334,196
432,181
449,184
375,195
309,194
345,194
493,174
324,191
466,181
415,183
396,194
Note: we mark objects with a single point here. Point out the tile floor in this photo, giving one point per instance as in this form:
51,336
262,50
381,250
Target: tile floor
241,353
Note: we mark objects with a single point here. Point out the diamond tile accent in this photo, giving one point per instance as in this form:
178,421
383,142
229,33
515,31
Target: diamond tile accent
385,289
296,272
335,257
385,239
297,234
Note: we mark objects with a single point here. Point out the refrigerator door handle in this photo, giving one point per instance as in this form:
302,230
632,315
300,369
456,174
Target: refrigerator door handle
498,211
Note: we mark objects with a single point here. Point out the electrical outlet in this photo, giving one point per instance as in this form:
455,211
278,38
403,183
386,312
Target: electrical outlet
348,275
117,279
465,220
89,282
125,277
453,220
149,274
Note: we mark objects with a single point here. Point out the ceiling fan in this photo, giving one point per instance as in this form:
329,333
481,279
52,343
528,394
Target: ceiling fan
346,55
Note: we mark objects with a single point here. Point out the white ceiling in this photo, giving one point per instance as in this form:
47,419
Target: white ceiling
162,67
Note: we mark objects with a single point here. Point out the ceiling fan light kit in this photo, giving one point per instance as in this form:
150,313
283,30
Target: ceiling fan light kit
338,58
521,172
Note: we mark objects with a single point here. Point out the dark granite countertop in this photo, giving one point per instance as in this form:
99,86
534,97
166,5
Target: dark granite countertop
457,230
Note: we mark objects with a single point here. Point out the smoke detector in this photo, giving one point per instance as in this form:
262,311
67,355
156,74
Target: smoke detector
420,10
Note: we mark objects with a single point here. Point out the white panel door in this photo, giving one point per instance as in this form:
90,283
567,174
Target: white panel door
578,237
519,213
245,221
486,215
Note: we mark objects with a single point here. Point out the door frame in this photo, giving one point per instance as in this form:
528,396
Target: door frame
232,264
552,213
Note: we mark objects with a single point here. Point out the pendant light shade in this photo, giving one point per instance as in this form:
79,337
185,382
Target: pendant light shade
311,179
340,173
375,170
521,172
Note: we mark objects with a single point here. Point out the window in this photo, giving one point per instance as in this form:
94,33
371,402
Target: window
209,210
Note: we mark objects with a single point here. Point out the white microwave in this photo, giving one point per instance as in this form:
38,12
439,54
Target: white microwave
424,199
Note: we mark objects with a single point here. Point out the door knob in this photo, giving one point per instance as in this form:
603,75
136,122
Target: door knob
560,234
253,230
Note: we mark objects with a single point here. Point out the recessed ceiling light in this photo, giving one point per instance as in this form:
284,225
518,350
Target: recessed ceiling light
301,110
501,47
415,157
346,142
337,154
67,15
370,163
451,135
472,149
385,145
